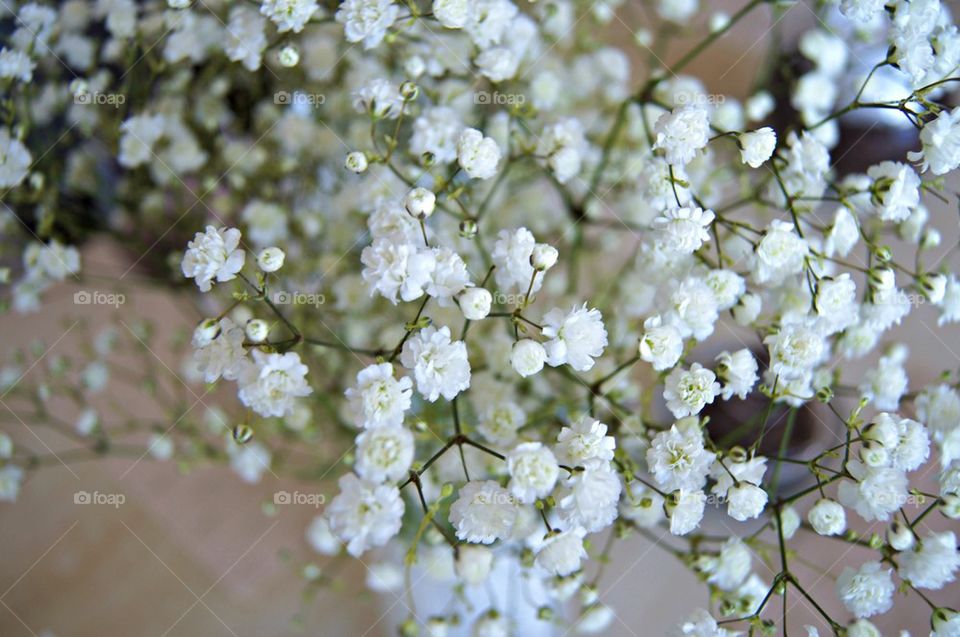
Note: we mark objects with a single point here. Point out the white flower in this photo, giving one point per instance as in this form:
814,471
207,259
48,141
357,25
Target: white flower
439,366
321,537
683,230
727,287
583,441
577,337
757,146
51,261
379,400
836,303
866,591
10,478
16,64
500,420
527,357
483,513
381,98
249,461
727,472
420,202
681,133
941,143
478,155
693,308
497,63
886,383
222,355
449,276
271,259
511,254
453,14
213,255
15,160
932,563
685,510
780,254
738,371
877,493
794,351
844,233
293,15
543,257
364,514
688,391
699,624
939,408
245,37
266,222
533,471
588,498
745,501
367,21
436,131
678,460
562,553
356,162
270,385
475,303
139,135
731,567
661,345
827,517
563,144
384,454
895,190
473,564
397,268
946,623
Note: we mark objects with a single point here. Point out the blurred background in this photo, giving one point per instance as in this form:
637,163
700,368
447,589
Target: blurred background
201,553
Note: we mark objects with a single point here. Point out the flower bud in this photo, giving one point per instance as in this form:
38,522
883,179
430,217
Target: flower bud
882,279
242,434
951,506
409,91
930,239
543,257
206,332
289,56
934,287
257,330
420,202
356,162
271,259
468,228
874,454
475,303
900,537
943,620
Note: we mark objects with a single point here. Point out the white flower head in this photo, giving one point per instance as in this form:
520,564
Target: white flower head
213,255
439,365
533,471
365,515
484,512
577,337
687,392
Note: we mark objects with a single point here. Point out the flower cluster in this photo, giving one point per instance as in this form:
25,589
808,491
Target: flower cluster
525,295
